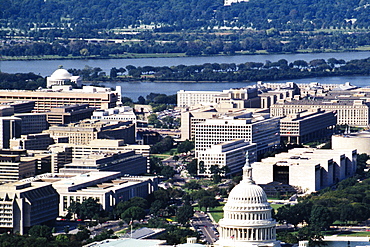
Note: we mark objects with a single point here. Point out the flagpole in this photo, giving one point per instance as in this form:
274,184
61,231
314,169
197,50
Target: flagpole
131,228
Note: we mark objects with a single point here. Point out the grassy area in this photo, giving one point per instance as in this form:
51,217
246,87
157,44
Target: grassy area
276,206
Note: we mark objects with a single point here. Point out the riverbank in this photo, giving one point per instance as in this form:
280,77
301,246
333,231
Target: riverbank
173,55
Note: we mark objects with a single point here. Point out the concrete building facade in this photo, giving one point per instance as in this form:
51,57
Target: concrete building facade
257,128
307,169
68,114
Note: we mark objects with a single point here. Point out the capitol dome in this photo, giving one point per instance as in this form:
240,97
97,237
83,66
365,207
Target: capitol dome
61,74
247,218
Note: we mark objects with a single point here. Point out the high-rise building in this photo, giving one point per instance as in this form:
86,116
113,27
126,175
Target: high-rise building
255,128
10,127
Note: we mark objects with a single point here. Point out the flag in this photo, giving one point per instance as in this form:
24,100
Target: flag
130,223
232,236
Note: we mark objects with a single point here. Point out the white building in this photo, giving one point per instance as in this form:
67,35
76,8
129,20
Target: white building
247,218
359,141
123,113
63,77
307,169
256,128
229,154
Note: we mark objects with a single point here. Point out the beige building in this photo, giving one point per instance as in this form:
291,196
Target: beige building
85,131
25,204
191,117
228,154
64,153
353,113
45,99
68,114
307,169
232,98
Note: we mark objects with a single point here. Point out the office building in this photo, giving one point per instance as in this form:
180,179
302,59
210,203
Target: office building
39,141
32,123
127,163
85,131
228,154
309,125
25,204
352,113
45,99
63,154
359,141
68,114
255,128
14,167
107,188
120,113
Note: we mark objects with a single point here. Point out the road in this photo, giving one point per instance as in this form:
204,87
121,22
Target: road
205,227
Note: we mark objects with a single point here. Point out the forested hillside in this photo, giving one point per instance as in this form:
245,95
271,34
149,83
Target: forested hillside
184,14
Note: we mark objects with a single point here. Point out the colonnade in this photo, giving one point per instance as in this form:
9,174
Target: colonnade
248,234
246,216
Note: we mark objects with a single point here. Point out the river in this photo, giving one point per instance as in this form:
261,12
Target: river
135,89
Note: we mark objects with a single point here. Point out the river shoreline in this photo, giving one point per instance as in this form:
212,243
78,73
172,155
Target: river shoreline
163,55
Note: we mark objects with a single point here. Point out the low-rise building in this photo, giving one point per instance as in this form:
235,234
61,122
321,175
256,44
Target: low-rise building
107,188
126,162
351,112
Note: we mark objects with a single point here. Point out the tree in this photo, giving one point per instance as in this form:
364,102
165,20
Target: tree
185,146
192,167
184,213
133,213
41,231
321,217
89,208
167,172
208,202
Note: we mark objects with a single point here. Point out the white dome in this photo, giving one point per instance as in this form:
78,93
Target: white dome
247,220
61,74
247,193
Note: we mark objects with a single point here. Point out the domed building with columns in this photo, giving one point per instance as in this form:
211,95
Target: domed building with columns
247,218
62,77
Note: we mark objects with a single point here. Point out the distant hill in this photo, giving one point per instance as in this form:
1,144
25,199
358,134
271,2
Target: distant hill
183,14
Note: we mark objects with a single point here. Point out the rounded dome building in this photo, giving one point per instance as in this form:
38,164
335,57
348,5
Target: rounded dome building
62,77
247,218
